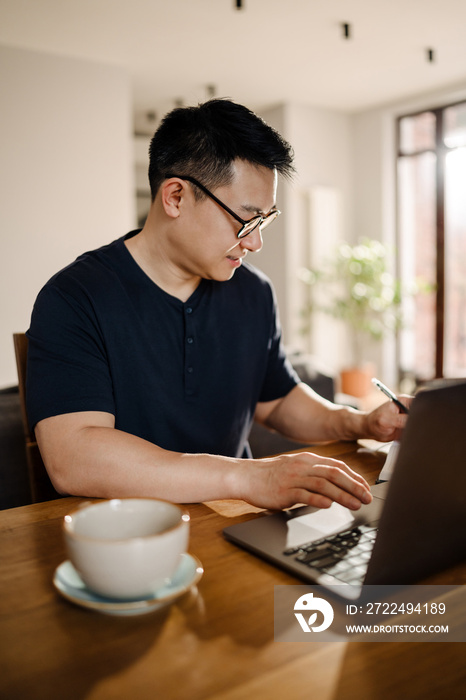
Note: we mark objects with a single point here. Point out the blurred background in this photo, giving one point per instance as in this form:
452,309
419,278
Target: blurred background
371,94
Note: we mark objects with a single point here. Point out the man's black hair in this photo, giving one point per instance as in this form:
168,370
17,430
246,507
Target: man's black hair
203,142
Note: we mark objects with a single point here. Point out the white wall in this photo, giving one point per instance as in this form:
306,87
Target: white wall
66,174
322,141
273,258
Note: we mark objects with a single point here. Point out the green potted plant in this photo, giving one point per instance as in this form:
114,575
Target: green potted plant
356,287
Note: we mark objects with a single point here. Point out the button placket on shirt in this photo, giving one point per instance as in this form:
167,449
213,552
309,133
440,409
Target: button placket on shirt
190,352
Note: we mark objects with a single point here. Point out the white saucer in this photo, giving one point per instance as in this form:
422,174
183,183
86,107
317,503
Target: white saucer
70,585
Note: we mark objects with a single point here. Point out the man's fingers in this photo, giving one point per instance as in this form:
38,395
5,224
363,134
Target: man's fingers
313,497
346,495
333,481
338,473
308,498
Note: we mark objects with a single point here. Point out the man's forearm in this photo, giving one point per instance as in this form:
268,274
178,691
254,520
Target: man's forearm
87,456
305,416
100,461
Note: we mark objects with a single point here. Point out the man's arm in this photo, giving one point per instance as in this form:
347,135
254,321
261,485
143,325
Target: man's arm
305,416
85,455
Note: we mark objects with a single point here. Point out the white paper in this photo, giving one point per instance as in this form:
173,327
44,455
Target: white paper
321,523
387,470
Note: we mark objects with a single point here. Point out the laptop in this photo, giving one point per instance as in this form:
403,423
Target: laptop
414,527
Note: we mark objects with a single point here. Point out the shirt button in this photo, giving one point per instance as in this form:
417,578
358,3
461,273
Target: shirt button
189,310
190,370
190,340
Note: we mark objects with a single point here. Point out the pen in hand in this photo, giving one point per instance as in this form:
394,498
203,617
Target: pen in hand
384,389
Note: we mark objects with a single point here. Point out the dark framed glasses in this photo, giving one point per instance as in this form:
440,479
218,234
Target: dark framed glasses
247,227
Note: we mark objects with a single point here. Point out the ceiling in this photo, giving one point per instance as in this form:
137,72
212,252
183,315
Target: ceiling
268,52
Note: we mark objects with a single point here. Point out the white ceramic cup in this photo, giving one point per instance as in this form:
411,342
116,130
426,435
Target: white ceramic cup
126,548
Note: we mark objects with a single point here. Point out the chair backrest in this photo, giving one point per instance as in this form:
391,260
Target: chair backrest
39,481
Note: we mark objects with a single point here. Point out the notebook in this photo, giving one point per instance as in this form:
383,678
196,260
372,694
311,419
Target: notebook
415,525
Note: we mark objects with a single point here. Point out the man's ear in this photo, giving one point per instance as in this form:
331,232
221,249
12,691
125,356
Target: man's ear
172,194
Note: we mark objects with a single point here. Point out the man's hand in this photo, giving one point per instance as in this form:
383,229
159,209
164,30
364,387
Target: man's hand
283,481
386,423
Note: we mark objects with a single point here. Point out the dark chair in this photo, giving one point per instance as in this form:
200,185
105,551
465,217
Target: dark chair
39,481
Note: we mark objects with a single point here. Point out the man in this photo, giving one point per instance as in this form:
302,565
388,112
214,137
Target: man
149,358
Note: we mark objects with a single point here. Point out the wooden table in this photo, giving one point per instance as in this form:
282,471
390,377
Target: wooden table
216,643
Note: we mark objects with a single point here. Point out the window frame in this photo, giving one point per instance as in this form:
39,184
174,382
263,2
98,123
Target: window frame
440,151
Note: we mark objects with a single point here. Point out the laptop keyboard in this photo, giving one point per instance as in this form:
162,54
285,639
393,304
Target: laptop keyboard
344,555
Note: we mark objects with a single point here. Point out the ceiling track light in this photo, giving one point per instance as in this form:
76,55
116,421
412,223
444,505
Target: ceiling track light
346,28
430,55
239,4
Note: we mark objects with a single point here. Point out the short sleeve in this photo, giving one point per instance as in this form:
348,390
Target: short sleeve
67,366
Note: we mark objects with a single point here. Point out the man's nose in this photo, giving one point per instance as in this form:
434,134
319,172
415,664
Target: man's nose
253,241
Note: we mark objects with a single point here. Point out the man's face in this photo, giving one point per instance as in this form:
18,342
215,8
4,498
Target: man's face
208,247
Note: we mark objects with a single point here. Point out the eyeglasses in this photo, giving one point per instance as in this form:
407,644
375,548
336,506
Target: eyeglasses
247,227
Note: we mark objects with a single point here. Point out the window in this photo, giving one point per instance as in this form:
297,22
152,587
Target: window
431,173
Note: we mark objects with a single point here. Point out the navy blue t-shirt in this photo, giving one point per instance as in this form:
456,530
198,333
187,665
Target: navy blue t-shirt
183,375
